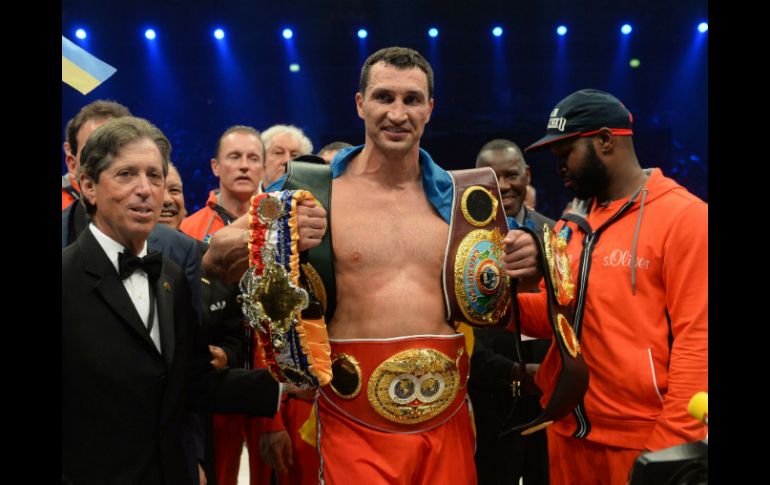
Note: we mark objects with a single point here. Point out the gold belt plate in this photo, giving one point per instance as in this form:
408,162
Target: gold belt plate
481,285
413,386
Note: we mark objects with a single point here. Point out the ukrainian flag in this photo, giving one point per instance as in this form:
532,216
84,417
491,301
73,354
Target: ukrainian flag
80,69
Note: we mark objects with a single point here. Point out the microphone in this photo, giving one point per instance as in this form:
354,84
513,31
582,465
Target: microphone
699,407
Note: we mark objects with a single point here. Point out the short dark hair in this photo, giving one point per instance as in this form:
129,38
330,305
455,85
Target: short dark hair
97,110
240,129
401,58
105,143
500,144
335,145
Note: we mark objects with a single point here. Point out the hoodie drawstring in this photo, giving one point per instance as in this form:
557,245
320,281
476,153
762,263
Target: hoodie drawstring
633,244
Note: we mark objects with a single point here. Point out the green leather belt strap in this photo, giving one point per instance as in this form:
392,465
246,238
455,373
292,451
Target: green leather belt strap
317,179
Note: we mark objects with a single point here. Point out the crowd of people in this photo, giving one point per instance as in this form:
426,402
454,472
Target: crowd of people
164,381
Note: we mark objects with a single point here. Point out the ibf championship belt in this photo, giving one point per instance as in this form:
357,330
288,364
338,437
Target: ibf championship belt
398,385
476,288
272,297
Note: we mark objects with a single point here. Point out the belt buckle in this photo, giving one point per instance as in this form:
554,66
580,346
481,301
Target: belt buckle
413,386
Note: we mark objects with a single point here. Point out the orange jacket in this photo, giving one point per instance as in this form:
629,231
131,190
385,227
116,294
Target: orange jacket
68,184
639,383
205,222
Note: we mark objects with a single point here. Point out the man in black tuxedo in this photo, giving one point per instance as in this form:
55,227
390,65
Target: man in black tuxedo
176,246
131,352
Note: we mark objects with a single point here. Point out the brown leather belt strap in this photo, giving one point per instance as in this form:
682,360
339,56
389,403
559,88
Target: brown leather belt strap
572,382
475,284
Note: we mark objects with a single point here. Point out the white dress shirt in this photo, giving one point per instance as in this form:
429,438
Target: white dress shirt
137,285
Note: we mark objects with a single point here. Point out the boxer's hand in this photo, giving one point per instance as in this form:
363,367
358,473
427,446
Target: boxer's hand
311,223
520,258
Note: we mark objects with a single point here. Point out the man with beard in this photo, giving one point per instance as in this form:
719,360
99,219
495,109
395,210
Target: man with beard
637,244
505,459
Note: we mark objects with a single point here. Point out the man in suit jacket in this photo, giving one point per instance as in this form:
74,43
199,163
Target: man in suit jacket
504,460
131,353
74,218
179,248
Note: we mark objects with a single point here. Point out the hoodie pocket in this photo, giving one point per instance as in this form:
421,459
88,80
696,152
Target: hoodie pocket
637,385
653,375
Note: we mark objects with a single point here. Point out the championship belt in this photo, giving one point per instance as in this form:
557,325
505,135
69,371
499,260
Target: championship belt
572,382
273,298
475,284
398,385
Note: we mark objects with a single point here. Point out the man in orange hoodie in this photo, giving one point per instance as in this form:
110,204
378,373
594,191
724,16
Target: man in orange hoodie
637,244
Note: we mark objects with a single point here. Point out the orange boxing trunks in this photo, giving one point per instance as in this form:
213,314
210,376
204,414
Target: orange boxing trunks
396,412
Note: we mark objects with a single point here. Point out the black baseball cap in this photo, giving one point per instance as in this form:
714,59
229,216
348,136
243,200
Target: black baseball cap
583,113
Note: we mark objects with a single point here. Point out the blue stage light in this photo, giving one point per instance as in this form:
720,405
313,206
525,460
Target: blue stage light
150,34
497,31
287,34
294,67
703,27
81,34
626,29
433,32
561,30
362,33
219,34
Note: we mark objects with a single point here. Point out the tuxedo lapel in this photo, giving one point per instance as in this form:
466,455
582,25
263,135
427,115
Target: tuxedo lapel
109,286
153,243
165,297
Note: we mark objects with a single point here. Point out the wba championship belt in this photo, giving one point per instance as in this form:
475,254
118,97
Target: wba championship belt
475,284
572,382
273,298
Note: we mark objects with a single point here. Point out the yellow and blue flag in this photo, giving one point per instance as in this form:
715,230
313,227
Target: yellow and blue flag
80,69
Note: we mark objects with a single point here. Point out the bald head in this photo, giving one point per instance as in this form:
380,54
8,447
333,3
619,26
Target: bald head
513,175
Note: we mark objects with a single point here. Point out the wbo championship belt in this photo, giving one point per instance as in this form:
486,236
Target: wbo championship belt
273,298
476,288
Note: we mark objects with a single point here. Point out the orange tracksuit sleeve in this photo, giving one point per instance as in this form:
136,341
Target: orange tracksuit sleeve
685,274
533,310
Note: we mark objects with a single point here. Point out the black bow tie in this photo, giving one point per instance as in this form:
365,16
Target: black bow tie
129,262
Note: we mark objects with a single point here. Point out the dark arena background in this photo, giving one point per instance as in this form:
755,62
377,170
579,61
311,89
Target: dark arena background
193,85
